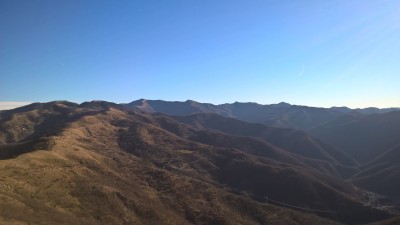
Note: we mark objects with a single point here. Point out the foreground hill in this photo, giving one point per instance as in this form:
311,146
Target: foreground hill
96,163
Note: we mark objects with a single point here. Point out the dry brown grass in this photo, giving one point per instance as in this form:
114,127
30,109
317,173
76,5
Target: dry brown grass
114,167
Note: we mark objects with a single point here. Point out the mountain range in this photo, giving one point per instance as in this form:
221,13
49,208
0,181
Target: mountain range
159,162
280,115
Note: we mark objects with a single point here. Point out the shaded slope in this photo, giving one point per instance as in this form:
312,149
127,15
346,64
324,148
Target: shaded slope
297,142
252,145
394,221
365,137
382,175
271,154
248,174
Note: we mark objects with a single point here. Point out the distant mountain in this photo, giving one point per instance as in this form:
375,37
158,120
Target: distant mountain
369,110
103,163
176,108
283,115
372,110
279,115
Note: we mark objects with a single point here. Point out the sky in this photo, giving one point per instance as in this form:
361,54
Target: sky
309,52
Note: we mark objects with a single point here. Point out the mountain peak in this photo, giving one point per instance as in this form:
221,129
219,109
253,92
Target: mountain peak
190,101
283,104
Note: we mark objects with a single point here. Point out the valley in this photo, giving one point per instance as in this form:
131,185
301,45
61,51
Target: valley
101,162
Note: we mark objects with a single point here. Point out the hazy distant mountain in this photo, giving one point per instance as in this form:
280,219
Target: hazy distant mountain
176,108
97,163
282,114
369,110
279,115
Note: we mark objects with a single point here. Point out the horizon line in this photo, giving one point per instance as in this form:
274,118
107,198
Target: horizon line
7,105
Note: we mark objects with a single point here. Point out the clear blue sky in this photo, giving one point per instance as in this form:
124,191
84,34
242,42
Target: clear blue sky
309,52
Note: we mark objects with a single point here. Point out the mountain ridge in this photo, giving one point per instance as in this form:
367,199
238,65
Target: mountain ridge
200,168
280,114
